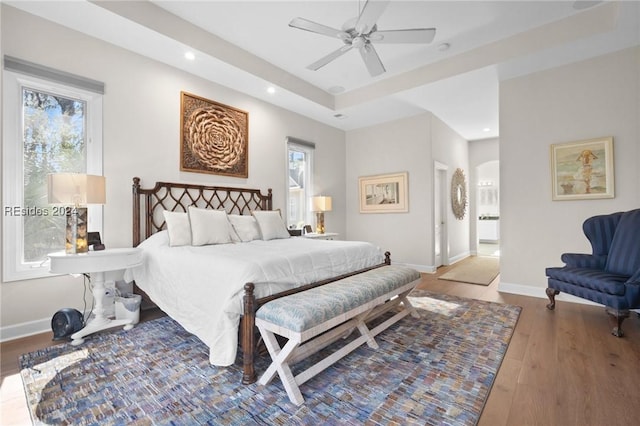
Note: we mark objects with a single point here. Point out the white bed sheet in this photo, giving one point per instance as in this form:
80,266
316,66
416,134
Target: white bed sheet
202,287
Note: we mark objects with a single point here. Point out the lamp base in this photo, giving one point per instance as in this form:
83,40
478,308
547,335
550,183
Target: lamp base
320,222
76,236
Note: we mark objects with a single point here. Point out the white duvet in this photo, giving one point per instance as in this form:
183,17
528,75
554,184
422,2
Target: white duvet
202,287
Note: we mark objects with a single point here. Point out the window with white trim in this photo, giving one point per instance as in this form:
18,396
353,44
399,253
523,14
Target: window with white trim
52,122
300,183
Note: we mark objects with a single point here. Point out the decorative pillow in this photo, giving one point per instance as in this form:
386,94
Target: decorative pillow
245,226
208,226
232,232
178,228
271,224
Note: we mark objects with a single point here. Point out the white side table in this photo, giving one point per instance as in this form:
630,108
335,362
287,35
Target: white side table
96,263
325,236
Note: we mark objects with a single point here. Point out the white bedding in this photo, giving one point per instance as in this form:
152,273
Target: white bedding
202,287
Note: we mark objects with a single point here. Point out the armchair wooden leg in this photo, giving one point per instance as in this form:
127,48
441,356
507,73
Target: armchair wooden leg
551,294
617,315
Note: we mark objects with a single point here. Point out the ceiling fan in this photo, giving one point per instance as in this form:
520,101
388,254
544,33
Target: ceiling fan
360,32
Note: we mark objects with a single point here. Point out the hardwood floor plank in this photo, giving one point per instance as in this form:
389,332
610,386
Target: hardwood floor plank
14,410
531,406
502,394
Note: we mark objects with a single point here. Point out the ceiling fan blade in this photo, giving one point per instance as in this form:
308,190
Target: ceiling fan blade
314,27
330,57
372,60
371,11
418,35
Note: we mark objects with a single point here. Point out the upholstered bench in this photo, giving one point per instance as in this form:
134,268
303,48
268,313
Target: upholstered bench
313,319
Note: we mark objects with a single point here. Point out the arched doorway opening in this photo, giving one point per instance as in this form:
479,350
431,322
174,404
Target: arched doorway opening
488,208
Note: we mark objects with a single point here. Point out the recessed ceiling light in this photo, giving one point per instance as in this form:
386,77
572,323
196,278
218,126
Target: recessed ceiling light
443,47
340,116
486,129
271,90
190,56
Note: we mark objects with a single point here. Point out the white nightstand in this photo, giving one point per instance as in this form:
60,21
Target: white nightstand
325,236
96,263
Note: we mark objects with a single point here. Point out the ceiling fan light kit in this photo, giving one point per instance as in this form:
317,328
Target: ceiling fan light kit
359,33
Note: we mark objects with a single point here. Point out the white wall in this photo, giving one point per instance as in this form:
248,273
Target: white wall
594,98
398,146
141,138
411,145
451,149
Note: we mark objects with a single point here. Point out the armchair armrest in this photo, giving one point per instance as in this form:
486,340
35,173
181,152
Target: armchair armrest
635,278
580,260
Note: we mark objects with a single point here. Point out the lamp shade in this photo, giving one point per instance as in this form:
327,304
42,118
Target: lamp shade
321,204
76,189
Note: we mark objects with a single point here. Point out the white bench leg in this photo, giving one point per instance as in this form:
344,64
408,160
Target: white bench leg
281,366
407,305
365,332
274,349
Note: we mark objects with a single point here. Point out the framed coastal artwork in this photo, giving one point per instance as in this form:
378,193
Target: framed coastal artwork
384,193
582,169
214,138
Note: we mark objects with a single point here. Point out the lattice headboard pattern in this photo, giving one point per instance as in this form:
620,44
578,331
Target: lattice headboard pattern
148,218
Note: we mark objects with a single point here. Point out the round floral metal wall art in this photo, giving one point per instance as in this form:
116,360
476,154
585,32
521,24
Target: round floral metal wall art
459,194
214,137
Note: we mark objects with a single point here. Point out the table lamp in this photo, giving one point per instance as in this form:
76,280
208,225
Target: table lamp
76,190
319,205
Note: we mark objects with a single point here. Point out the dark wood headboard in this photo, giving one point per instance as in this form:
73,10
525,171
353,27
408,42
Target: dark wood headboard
148,218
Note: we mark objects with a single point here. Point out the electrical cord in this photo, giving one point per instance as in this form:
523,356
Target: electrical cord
87,278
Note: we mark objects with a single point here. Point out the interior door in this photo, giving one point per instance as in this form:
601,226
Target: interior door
440,239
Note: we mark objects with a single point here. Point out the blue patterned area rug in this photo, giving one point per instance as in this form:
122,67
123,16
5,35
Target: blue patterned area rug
434,370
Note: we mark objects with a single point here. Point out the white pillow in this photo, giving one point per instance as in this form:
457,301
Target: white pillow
271,224
232,233
208,226
245,227
178,228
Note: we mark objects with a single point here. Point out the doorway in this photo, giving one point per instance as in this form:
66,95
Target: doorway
440,234
488,208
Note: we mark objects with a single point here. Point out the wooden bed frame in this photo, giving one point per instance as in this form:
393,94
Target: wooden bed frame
148,219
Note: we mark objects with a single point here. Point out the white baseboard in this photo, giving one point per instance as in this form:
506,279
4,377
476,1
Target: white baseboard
459,257
420,268
11,332
430,269
527,290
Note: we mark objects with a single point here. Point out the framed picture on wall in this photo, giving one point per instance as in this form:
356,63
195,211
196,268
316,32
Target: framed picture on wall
214,138
384,193
582,170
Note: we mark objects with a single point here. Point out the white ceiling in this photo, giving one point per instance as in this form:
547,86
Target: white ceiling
248,46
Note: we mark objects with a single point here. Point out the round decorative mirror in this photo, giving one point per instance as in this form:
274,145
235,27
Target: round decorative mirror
458,194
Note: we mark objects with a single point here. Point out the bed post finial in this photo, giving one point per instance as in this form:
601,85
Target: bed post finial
387,258
248,335
136,211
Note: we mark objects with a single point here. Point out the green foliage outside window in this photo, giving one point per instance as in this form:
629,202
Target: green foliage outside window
54,140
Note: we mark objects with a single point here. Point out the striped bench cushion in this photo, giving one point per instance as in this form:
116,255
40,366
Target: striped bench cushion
302,311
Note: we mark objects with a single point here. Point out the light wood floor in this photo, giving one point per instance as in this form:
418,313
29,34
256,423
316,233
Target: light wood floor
562,367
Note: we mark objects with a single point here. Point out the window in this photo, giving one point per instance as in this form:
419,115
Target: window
51,123
299,190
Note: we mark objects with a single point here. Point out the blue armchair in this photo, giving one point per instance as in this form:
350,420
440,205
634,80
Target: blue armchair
611,274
